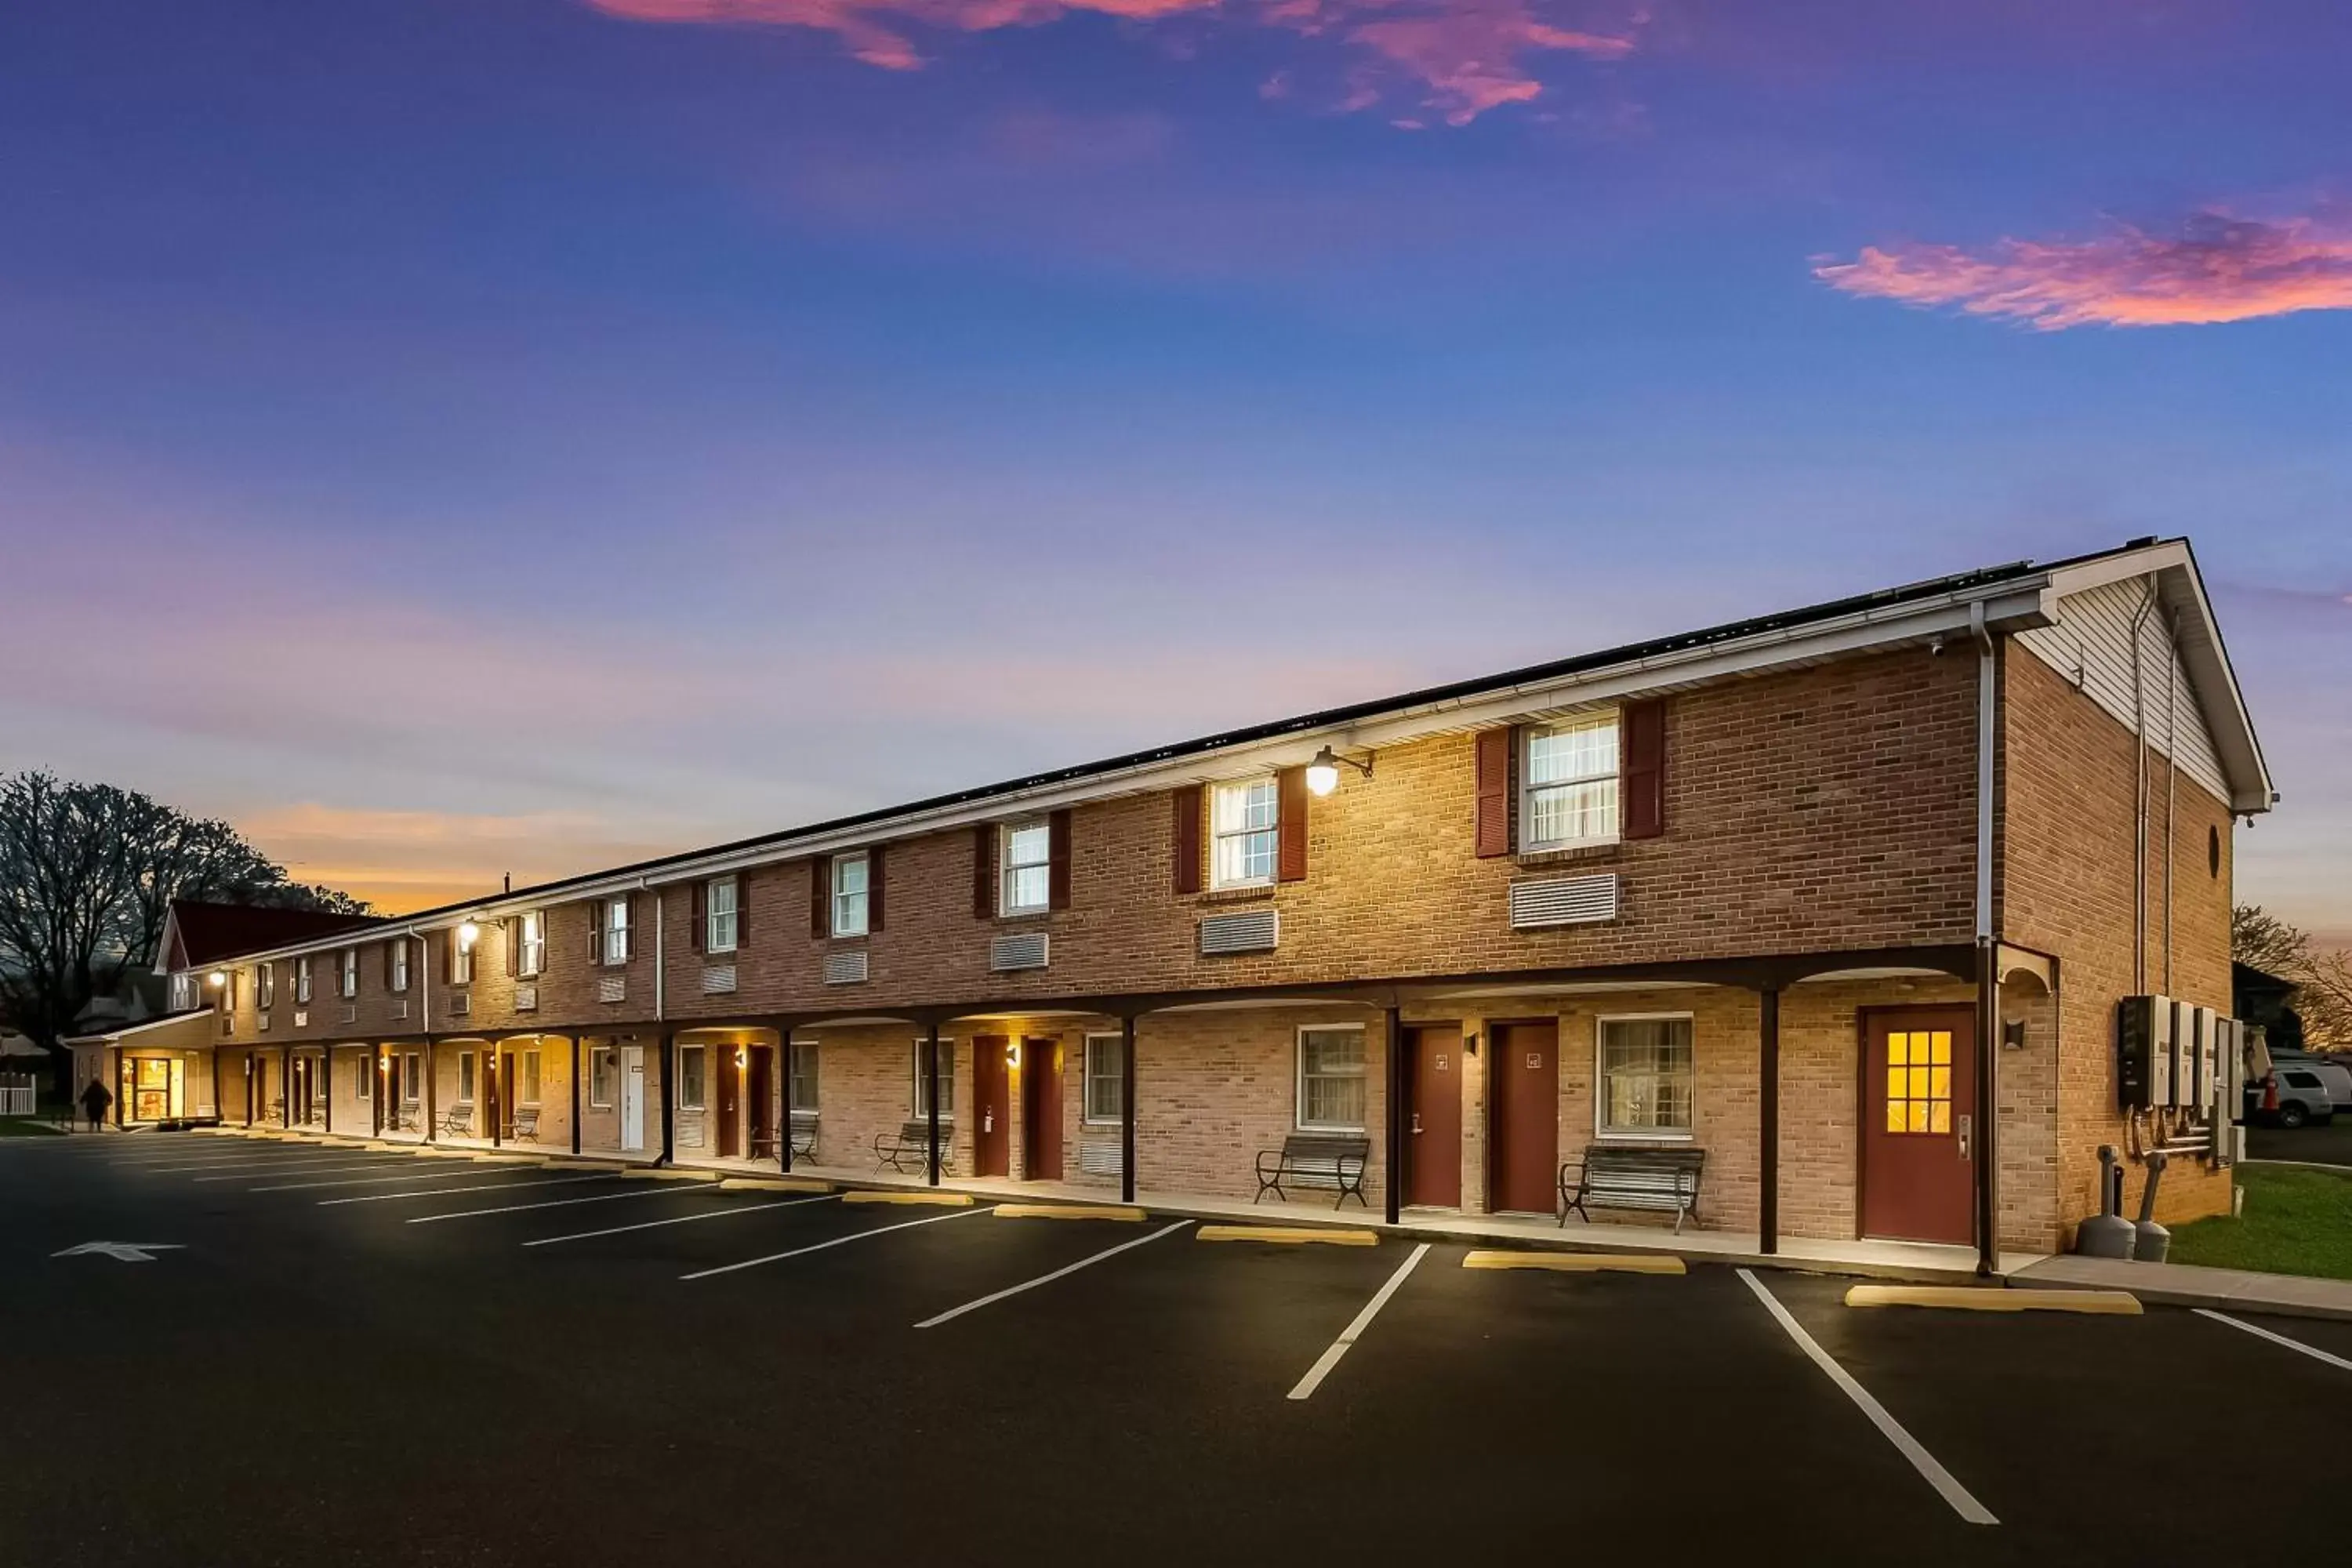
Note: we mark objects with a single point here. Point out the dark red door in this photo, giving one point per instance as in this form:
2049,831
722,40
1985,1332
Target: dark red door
1523,1081
1041,1109
729,1088
761,1094
1433,1123
1919,1137
991,1134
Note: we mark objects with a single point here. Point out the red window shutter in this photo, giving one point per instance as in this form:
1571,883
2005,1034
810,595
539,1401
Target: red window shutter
1290,826
1057,860
449,958
1496,750
1185,806
874,889
595,932
983,871
387,965
512,931
821,896
636,929
1644,782
698,922
744,909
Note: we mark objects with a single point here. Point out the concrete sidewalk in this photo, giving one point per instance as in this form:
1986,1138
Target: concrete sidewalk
2188,1285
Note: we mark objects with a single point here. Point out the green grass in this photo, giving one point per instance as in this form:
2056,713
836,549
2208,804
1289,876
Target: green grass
26,1127
2296,1222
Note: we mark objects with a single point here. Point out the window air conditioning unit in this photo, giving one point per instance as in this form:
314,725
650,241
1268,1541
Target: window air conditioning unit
461,1004
846,967
1018,950
1249,930
718,979
526,998
612,988
1564,902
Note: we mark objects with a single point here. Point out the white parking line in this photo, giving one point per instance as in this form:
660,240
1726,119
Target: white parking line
1963,1503
664,1190
836,1241
306,1171
2260,1332
444,1191
446,1174
178,1163
954,1312
683,1219
1354,1332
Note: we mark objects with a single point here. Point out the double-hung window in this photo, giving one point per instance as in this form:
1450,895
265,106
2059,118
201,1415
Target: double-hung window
1245,819
363,1077
465,1078
400,963
527,1092
922,1100
347,974
849,894
303,980
1646,1078
603,1067
803,1085
1104,1079
531,944
718,915
1569,793
265,986
1025,878
693,1064
1331,1078
615,946
411,1078
461,961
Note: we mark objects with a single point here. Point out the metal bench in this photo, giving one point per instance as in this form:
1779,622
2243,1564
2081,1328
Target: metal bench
458,1122
1315,1160
526,1125
763,1147
910,1146
1628,1178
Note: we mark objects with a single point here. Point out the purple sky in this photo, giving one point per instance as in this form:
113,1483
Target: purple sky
454,436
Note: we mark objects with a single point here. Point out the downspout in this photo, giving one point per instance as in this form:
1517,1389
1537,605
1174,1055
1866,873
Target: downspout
1988,1041
2171,782
2139,811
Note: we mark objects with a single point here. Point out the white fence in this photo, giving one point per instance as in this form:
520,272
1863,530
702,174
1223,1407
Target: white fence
18,1096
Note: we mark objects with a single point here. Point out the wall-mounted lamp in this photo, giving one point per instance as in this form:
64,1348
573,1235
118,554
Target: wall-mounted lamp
1470,1044
740,1057
217,978
1323,770
468,934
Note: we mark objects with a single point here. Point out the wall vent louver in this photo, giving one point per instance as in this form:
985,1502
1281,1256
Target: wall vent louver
350,1014
1101,1157
260,1023
461,1004
302,1017
845,968
1018,950
1564,900
1249,930
612,988
400,1009
526,999
718,979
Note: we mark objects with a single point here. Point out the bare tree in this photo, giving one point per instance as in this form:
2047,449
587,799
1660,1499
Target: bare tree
88,873
2322,981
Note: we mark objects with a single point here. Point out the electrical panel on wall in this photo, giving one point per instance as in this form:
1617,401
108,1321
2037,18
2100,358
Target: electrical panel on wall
2144,1052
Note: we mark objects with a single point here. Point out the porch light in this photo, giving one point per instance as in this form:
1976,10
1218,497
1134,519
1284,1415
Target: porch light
468,934
1323,770
217,978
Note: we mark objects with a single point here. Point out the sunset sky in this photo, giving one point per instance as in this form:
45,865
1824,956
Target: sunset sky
449,437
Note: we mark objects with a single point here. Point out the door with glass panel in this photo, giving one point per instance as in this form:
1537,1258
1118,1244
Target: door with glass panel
1919,1124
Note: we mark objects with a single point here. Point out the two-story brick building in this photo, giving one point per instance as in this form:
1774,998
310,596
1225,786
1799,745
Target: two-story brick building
1841,900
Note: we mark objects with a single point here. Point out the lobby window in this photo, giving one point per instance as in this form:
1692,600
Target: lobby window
347,975
531,944
1646,1078
1245,821
301,980
1569,796
614,947
920,1100
1106,1081
1331,1078
849,894
693,1064
1025,878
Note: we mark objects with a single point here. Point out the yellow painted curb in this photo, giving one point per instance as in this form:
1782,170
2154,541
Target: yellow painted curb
1985,1299
666,1173
506,1159
775,1185
427,1152
580,1165
1578,1262
1287,1235
1066,1211
944,1200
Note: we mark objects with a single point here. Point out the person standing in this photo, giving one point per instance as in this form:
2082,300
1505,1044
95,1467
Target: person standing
94,1101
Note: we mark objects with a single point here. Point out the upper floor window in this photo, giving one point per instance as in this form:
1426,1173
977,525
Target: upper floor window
461,961
531,943
347,977
614,947
265,986
849,895
1245,820
1569,793
718,915
1331,1078
396,956
1646,1078
183,992
1025,883
302,979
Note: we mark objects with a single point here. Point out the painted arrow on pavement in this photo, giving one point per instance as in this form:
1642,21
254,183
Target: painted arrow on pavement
120,1251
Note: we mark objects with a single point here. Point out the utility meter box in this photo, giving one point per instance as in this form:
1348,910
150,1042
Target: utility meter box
2209,1028
2143,1052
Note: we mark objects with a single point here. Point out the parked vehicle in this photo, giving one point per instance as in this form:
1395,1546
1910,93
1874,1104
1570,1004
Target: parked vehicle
2334,1072
2294,1095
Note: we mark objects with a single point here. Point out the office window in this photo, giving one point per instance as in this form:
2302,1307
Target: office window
849,895
803,1086
1243,818
692,1064
921,1100
1569,796
400,963
411,1078
347,978
1331,1078
718,915
465,1078
526,1089
1104,1079
1025,884
531,943
616,931
603,1067
265,986
301,980
1646,1078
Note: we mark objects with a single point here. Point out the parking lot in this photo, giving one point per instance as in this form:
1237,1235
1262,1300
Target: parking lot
370,1357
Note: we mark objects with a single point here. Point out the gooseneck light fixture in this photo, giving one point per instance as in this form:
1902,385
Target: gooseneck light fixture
1323,770
468,934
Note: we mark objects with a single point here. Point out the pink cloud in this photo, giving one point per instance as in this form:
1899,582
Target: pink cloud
2218,267
1469,55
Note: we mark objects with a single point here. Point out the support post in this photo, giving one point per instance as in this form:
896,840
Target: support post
326,1088
375,1089
1127,1109
1397,1152
286,1092
931,1095
432,1094
577,1041
494,1056
1768,1133
1988,1049
784,1098
668,1068
220,1105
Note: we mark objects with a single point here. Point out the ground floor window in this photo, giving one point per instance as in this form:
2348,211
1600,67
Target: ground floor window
527,1094
465,1078
411,1078
364,1083
1106,1081
1646,1078
801,1086
603,1067
692,1064
922,1100
1331,1078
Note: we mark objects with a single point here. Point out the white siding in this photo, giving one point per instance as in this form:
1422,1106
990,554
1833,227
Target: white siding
2091,646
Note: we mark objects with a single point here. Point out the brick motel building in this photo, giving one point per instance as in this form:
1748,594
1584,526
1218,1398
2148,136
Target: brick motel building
1830,912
